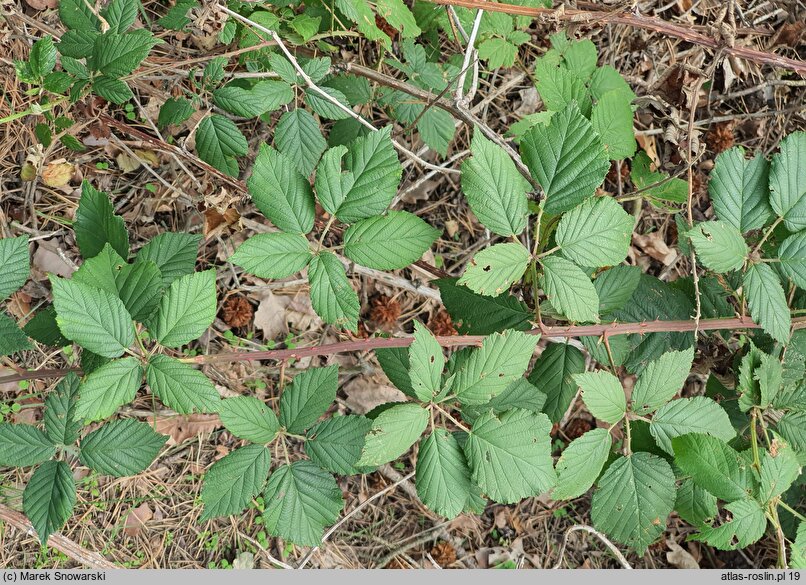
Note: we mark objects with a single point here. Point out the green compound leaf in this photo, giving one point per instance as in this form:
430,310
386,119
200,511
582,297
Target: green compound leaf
792,254
301,500
661,380
595,233
616,286
694,504
713,465
218,142
553,375
273,255
308,397
426,362
739,190
12,338
393,432
569,289
332,297
389,242
767,301
140,287
788,181
510,455
778,471
559,88
372,161
566,157
719,245
395,364
107,388
180,387
174,111
96,224
635,496
612,119
603,395
93,318
262,97
173,253
336,443
690,415
479,315
326,108
111,89
248,418
61,424
443,476
280,192
14,264
332,183
186,309
798,549
493,270
23,445
234,480
581,463
76,14
117,55
297,136
746,525
490,369
121,14
121,448
49,498
494,188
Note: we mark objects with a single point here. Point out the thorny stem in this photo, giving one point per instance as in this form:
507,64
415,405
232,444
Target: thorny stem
451,418
627,437
772,514
754,440
767,234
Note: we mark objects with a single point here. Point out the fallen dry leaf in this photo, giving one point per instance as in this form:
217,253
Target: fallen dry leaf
136,520
365,393
57,174
679,557
181,428
653,245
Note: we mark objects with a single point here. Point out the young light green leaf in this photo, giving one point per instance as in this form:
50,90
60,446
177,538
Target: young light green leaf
553,375
661,380
301,500
607,79
93,318
566,157
603,395
792,254
690,415
264,96
612,119
595,233
332,297
180,387
739,190
389,242
297,136
656,184
719,245
49,498
393,432
581,463
636,494
490,369
494,188
713,465
280,192
186,309
479,315
173,253
746,525
23,445
510,455
767,301
788,181
273,255
96,224
426,362
218,142
559,87
106,389
443,476
248,418
376,172
332,183
61,424
569,289
14,264
779,470
308,397
336,443
121,448
493,270
232,481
